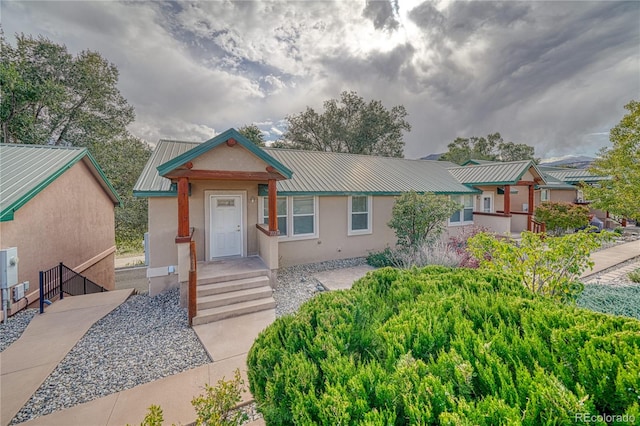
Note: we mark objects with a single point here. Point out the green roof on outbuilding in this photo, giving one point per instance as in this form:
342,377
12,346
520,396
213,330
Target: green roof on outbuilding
25,170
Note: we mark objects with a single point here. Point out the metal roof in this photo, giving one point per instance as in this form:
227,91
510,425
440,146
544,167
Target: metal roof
319,173
25,170
331,172
150,181
494,173
572,176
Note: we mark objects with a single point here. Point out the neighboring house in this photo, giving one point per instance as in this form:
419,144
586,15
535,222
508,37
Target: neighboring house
56,205
508,197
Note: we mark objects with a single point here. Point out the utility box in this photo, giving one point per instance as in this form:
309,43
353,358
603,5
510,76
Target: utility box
8,267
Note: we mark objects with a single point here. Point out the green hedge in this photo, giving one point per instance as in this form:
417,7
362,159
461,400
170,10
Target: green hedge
442,346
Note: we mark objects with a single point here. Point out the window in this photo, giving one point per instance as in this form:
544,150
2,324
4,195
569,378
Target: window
544,195
281,211
359,215
463,216
303,215
296,216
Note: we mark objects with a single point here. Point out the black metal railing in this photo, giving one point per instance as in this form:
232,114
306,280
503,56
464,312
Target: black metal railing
61,280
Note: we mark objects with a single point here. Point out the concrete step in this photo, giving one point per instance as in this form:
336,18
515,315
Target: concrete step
232,285
204,279
233,297
229,311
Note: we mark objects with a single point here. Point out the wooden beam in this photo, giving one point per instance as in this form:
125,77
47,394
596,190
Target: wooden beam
183,207
531,190
507,199
273,206
525,183
196,174
231,142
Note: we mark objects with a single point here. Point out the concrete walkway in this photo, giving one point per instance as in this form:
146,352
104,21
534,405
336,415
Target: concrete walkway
46,341
342,279
226,341
612,256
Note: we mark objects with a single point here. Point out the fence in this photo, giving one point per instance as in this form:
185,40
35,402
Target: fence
61,280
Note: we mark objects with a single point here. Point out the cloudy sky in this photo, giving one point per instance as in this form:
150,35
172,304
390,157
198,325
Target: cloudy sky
554,75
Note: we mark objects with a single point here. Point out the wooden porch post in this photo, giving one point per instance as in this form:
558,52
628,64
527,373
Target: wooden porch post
183,207
507,199
530,216
273,208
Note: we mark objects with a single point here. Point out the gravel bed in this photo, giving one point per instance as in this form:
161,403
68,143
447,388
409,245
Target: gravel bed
144,339
296,284
14,327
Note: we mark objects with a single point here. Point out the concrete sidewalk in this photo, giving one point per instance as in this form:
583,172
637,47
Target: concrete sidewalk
612,256
46,341
226,341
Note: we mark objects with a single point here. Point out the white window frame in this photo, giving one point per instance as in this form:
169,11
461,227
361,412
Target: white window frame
545,195
462,222
290,237
369,229
484,196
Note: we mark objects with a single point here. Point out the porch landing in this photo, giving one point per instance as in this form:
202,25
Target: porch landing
219,270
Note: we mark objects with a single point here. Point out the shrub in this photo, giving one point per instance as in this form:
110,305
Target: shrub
443,346
380,259
460,243
634,275
548,266
154,417
560,217
217,406
420,218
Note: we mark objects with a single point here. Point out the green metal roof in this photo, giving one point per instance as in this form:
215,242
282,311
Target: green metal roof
494,173
323,173
25,170
200,149
573,176
338,173
150,183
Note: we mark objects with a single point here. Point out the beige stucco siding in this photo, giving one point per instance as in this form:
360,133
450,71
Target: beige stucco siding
333,241
70,221
229,158
565,196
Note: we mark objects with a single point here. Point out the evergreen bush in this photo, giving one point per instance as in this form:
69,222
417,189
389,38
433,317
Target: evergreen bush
444,346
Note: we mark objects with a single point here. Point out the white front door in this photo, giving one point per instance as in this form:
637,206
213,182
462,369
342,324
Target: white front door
226,225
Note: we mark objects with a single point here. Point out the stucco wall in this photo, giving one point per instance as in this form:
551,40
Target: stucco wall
231,158
565,196
333,241
70,221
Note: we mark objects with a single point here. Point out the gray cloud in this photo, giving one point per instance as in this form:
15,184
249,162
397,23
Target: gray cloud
551,74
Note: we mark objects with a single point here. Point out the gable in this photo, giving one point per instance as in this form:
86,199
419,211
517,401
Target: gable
229,138
230,158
